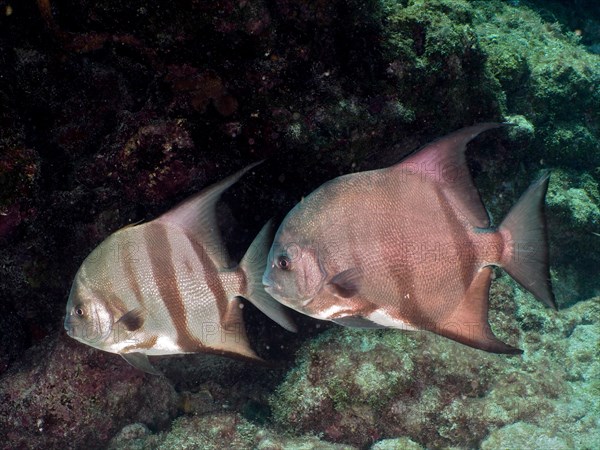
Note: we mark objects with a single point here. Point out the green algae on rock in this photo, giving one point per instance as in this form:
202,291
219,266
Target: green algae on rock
573,205
524,435
357,386
513,60
396,444
548,77
436,63
217,431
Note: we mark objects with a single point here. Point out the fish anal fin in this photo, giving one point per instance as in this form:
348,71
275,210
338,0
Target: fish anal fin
233,338
197,215
468,324
346,284
443,162
132,320
248,358
140,361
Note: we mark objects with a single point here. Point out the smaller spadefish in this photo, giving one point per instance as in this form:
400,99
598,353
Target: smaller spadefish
168,287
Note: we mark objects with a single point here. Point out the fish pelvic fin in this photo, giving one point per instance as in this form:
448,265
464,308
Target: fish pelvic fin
253,265
468,324
140,361
524,230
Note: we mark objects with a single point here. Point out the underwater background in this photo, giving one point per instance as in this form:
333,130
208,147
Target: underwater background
112,112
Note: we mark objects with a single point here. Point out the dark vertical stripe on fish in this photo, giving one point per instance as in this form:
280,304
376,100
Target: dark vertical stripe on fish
111,299
165,277
404,279
402,252
350,241
465,258
132,281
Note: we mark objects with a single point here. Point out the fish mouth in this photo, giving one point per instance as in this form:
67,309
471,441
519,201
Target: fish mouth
68,327
271,290
269,285
274,289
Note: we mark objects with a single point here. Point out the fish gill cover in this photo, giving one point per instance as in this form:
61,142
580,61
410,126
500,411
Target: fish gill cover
112,112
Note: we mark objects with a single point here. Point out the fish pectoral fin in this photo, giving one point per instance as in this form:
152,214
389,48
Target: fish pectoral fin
132,320
140,361
357,322
346,284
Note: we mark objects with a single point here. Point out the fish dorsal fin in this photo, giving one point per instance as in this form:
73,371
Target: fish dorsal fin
443,162
140,361
197,215
131,225
468,324
346,284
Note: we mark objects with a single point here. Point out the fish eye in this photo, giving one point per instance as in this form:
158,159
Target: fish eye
78,311
284,262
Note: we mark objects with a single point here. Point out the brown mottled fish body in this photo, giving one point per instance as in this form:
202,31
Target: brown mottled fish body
410,247
168,287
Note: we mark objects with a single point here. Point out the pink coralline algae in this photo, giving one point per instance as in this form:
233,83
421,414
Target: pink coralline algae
9,219
153,158
148,163
195,90
63,401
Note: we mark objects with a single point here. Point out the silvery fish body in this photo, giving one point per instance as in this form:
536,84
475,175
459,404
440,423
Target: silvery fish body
168,287
409,247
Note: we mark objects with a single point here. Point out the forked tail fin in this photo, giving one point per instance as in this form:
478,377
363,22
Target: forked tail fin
525,257
253,264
